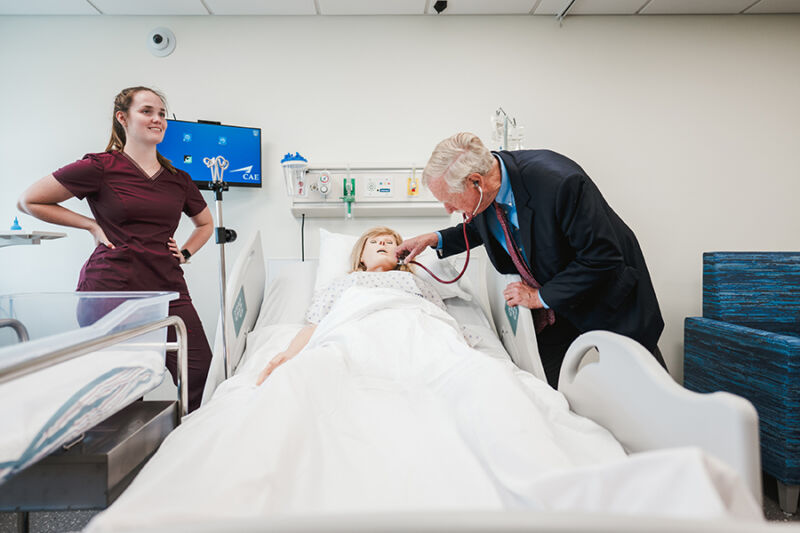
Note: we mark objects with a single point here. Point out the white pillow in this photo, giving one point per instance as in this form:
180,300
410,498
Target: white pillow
287,298
334,257
334,262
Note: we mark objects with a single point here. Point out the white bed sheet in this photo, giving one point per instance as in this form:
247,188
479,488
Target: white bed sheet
388,409
42,410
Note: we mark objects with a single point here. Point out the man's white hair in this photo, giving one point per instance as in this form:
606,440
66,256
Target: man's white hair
457,157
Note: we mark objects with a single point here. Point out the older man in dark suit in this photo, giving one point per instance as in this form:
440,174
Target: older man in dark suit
540,216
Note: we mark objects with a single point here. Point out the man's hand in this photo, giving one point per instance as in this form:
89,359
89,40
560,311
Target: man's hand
411,248
519,293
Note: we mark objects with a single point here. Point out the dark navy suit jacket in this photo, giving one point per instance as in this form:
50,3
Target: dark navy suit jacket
587,260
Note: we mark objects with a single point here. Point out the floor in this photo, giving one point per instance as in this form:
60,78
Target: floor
772,511
48,522
68,521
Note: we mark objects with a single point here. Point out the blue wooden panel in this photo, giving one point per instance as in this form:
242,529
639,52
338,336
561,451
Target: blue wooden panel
755,289
758,365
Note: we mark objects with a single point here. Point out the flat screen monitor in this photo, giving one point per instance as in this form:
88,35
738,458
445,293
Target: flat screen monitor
187,144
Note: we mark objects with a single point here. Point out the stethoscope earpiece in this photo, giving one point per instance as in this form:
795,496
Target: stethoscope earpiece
480,201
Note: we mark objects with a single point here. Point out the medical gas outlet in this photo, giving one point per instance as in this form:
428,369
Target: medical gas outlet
324,184
362,191
349,190
413,186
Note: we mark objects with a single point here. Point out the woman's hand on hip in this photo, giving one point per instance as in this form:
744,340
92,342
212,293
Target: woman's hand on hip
175,250
100,236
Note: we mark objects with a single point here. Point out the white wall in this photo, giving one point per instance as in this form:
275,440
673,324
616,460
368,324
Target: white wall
689,125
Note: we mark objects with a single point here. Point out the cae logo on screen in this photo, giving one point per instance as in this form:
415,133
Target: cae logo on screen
247,173
187,144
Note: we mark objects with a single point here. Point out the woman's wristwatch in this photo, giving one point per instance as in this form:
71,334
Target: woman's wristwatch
186,254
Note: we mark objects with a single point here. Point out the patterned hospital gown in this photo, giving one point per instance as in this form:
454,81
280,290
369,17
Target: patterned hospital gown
405,281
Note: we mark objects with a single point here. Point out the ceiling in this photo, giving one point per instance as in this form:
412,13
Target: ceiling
397,7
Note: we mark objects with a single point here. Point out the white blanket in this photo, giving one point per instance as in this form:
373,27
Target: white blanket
388,409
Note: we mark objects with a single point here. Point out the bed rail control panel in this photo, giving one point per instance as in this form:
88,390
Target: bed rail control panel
94,471
379,192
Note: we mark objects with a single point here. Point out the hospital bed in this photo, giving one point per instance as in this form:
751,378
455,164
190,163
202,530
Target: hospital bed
605,377
623,389
71,366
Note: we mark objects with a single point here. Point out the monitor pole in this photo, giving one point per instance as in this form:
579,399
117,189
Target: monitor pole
217,165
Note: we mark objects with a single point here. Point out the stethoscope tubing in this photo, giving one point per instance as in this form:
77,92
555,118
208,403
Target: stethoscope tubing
466,263
466,242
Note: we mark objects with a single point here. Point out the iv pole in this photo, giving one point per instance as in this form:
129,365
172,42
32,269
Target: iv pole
217,165
501,130
500,112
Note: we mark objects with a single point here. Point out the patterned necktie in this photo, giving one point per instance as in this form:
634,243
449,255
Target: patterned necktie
541,317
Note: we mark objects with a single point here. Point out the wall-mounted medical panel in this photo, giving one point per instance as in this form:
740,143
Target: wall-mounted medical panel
331,192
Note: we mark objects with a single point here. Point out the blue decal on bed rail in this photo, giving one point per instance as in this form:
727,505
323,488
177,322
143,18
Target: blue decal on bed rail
513,315
239,311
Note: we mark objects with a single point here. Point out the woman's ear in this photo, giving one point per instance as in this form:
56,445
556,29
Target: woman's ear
120,116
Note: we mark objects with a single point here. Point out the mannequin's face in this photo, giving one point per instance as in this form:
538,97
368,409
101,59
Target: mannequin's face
379,253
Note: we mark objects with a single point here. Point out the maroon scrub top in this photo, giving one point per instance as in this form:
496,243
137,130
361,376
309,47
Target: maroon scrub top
138,215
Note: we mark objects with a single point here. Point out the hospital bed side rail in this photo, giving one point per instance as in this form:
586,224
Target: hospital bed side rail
76,350
626,391
622,387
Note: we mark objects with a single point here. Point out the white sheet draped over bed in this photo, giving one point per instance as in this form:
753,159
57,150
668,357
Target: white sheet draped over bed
389,409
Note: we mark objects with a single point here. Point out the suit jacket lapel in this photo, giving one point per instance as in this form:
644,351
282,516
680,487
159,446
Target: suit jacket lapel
522,199
497,254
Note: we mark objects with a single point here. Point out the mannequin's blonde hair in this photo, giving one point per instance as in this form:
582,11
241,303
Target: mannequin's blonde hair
358,249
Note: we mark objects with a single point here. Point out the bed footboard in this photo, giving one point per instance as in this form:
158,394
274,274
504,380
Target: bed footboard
626,391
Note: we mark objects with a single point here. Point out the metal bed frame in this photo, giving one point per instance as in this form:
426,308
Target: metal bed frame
93,475
71,352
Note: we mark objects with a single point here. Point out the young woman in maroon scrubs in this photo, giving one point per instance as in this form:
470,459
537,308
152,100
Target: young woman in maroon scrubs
136,197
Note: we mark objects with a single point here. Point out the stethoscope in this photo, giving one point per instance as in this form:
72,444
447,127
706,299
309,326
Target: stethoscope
463,227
